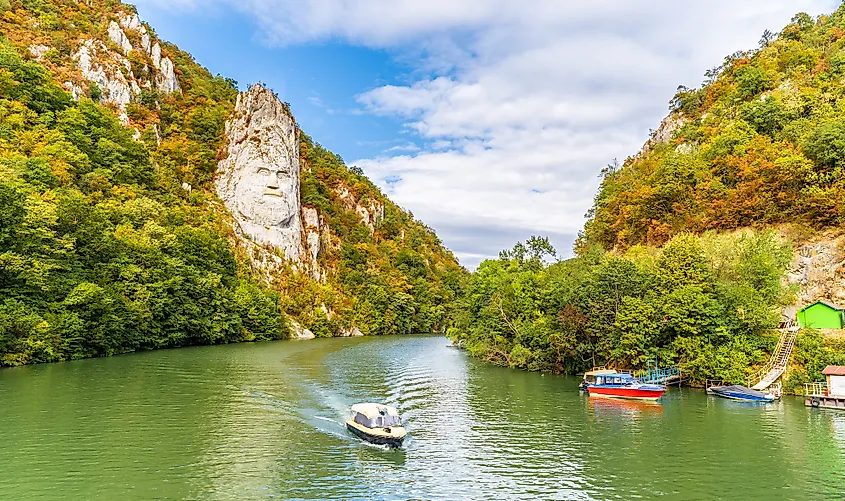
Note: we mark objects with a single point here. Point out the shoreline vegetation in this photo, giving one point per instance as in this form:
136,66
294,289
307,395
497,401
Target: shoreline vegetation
708,303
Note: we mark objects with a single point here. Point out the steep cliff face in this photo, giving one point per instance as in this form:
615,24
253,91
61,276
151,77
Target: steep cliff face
258,179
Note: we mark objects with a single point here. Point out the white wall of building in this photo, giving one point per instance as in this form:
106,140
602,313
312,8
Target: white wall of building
837,385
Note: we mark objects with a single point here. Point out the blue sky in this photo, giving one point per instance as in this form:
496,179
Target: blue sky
488,119
319,80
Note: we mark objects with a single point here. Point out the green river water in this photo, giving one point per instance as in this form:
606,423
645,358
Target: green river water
265,421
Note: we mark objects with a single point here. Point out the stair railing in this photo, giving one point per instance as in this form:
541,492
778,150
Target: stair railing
780,355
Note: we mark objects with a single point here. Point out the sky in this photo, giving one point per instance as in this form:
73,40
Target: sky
489,120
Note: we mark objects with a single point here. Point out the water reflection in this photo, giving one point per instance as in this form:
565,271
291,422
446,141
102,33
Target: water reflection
624,409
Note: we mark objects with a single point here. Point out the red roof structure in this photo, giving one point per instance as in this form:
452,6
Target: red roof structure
834,370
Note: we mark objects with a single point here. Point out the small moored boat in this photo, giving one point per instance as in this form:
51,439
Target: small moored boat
737,392
377,424
624,386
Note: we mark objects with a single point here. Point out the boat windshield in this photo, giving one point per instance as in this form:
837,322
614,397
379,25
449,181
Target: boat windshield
615,379
382,421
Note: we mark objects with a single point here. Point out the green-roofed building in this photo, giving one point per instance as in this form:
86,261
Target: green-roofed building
821,315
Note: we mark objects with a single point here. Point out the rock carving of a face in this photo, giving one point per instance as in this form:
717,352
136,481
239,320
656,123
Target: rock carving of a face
266,196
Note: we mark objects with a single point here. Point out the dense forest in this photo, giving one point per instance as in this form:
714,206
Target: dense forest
102,250
661,271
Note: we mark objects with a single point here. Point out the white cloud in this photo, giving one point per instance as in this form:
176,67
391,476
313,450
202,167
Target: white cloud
520,104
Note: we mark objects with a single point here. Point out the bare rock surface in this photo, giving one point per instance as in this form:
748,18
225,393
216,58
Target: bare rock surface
38,51
351,332
371,212
119,37
818,268
112,71
300,332
313,226
664,132
258,180
102,67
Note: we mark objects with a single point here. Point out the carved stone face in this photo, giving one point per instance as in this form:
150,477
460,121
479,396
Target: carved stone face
258,179
266,195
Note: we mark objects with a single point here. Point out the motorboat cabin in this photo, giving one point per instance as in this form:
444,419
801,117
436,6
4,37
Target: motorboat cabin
590,376
376,423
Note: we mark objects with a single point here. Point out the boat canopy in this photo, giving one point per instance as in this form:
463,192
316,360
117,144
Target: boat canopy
737,391
376,415
599,372
374,410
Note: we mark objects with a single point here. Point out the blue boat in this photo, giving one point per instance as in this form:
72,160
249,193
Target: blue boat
737,392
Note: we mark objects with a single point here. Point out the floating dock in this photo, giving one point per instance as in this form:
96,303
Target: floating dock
830,394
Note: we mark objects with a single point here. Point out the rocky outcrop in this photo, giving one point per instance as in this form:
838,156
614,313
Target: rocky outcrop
314,227
112,71
351,332
38,51
371,212
119,37
131,21
106,69
664,132
258,180
300,332
818,269
165,78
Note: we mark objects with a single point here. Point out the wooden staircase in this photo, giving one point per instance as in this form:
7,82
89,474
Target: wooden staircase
776,365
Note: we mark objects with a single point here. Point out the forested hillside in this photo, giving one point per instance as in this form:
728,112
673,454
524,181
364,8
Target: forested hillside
112,238
761,142
661,271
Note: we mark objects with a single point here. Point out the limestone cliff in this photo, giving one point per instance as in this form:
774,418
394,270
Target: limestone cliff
818,269
112,71
258,180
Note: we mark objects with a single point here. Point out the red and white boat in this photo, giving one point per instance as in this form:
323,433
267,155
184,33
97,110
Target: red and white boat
624,386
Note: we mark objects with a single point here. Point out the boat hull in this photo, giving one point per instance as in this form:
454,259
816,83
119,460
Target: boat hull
373,438
742,394
627,393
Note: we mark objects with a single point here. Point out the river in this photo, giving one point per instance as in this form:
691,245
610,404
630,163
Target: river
265,421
